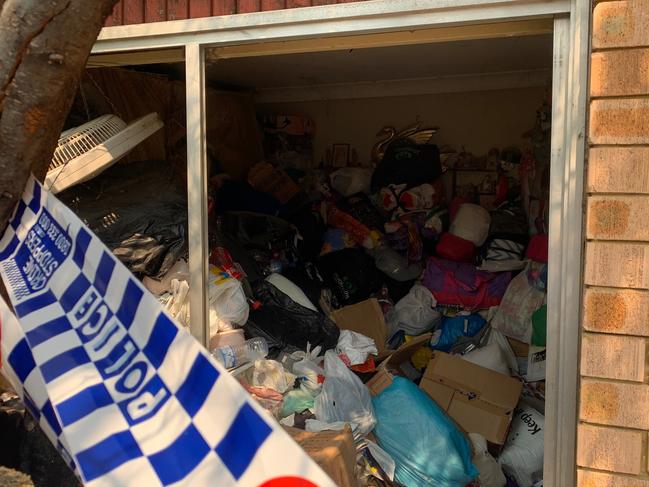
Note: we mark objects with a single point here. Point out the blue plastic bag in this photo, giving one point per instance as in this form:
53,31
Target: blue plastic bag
428,448
454,328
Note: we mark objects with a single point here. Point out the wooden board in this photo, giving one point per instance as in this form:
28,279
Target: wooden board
117,17
155,11
224,7
273,4
177,9
247,6
200,8
298,3
133,11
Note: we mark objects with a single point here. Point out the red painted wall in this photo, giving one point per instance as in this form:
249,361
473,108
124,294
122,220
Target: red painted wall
139,11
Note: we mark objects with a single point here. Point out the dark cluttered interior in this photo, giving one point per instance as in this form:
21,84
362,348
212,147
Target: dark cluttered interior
378,244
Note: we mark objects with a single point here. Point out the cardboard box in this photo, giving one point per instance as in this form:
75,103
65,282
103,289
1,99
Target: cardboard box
367,319
334,451
520,349
393,364
478,399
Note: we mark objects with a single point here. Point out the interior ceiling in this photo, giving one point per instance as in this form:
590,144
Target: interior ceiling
386,63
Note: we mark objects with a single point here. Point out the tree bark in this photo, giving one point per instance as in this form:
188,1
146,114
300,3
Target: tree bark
44,46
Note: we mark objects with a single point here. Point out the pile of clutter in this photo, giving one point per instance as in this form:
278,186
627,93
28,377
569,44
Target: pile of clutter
397,331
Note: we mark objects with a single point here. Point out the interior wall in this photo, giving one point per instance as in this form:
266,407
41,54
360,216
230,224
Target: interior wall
477,121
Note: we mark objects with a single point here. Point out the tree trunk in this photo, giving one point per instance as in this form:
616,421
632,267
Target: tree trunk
44,46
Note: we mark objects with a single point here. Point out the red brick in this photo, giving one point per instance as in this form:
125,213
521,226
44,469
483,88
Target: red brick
614,403
587,478
616,311
618,218
224,7
273,4
618,170
177,9
298,3
247,6
323,2
613,357
620,73
610,449
619,121
613,264
621,24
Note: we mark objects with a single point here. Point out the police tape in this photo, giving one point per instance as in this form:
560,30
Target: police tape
126,395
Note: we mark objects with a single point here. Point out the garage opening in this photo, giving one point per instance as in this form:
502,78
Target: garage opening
389,205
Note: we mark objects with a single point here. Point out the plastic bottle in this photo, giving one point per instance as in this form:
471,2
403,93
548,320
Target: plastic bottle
235,355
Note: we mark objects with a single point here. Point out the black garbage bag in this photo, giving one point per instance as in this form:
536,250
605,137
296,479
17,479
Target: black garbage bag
311,226
407,163
283,322
138,212
351,275
240,196
308,278
256,231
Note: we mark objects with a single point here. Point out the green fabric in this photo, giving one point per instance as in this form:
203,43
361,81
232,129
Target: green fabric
539,326
296,401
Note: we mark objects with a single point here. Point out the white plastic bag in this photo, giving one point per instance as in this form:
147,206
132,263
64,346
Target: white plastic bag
180,271
308,369
395,265
491,475
228,305
271,375
356,346
351,180
508,354
344,397
177,301
471,223
536,361
490,357
522,456
514,315
382,457
415,313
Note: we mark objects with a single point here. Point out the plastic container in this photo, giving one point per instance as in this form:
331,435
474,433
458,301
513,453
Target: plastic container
234,355
229,338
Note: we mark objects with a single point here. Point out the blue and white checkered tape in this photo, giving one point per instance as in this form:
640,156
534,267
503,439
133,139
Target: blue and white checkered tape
124,392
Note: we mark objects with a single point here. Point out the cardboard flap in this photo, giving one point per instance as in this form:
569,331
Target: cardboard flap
408,349
383,377
474,381
479,416
365,318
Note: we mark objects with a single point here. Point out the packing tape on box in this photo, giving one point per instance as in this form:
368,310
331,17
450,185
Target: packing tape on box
126,395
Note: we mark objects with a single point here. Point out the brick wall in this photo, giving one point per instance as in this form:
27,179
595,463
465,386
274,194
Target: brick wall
614,402
145,11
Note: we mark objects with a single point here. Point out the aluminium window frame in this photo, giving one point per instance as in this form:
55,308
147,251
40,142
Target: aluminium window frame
570,89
